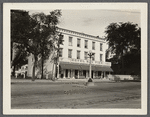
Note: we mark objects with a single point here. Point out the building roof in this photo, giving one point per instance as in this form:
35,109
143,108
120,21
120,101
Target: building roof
79,33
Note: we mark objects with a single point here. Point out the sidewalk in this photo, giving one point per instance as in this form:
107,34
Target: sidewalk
13,80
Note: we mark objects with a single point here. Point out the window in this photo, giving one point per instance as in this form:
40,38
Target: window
85,55
101,57
69,53
78,42
93,45
62,36
78,54
93,57
70,41
60,52
101,47
86,44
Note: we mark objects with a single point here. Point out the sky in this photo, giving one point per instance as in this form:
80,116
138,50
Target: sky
94,22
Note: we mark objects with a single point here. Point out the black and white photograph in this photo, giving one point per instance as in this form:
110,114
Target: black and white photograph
71,58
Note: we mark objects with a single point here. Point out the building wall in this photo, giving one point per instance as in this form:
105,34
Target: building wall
82,49
75,35
49,66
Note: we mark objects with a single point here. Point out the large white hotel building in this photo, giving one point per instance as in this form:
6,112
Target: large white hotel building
74,59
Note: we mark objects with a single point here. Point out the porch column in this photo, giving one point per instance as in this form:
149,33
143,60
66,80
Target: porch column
78,74
68,73
104,74
93,74
73,73
101,74
87,74
82,73
64,73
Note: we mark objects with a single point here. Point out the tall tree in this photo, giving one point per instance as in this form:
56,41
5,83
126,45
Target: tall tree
43,35
39,34
20,27
122,38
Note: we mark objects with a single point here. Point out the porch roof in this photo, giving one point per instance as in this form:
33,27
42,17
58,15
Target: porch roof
77,66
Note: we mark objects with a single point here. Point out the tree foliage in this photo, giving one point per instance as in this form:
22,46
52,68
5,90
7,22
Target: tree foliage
21,25
123,39
38,35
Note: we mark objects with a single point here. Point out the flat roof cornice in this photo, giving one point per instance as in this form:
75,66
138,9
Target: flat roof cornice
79,34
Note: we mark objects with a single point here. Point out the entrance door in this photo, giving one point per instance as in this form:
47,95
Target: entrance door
99,73
76,73
66,73
84,73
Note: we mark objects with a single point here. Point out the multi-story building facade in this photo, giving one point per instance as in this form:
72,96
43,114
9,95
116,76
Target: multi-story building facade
74,59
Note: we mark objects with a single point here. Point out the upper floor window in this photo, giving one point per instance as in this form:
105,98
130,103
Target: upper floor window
69,53
93,45
101,47
62,36
101,57
60,52
78,54
86,44
85,55
78,42
93,57
70,41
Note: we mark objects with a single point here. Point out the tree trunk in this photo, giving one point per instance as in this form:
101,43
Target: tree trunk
33,71
53,78
122,61
42,67
13,73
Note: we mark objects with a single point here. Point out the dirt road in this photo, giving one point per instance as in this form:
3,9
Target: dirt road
58,95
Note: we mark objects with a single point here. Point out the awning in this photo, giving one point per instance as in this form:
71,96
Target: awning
103,68
69,66
84,67
75,66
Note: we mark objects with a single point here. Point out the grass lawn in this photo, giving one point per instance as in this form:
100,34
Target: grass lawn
42,95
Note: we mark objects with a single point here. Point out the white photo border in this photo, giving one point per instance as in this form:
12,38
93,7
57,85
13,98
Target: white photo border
45,6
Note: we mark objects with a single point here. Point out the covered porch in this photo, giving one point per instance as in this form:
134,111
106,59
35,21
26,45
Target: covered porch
81,71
